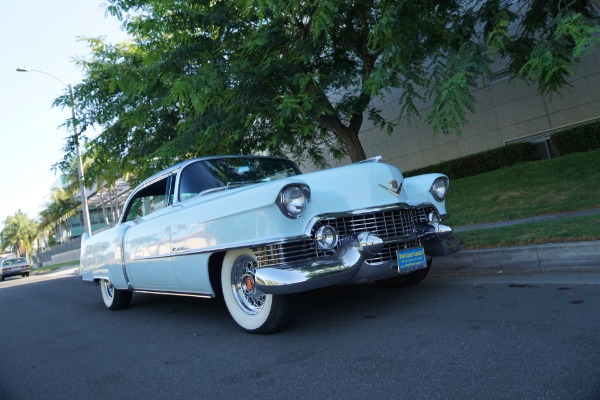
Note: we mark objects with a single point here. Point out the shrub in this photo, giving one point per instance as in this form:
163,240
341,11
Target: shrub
479,163
579,139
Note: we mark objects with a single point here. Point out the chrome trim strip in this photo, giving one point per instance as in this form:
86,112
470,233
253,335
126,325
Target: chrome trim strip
181,294
123,266
244,245
215,249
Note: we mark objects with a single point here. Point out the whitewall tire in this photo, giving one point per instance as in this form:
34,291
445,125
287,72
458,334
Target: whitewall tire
114,299
253,310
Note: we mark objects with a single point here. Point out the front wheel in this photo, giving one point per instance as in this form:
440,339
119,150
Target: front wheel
114,299
253,310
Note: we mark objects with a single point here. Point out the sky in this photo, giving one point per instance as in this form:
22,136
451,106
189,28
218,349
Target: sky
42,35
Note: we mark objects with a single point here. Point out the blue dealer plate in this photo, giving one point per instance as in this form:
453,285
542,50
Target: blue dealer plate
411,260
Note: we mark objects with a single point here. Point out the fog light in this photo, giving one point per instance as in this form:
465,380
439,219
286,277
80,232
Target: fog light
327,237
433,217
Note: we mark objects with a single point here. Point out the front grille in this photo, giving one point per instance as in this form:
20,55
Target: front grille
396,227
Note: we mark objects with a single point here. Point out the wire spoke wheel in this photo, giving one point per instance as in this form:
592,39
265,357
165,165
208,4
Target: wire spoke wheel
253,310
247,296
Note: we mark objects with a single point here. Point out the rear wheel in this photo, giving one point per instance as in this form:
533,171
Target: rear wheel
114,299
412,279
253,310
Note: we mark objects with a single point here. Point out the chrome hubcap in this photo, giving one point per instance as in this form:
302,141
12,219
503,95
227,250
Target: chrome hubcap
109,289
248,297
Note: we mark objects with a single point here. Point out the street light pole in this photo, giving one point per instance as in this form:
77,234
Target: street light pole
84,203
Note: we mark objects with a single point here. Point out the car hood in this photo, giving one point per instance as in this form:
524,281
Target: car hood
355,186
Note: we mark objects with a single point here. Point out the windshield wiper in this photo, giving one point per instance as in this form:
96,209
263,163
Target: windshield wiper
230,185
241,183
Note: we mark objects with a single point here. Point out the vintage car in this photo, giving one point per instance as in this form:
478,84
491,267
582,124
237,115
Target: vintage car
255,230
13,267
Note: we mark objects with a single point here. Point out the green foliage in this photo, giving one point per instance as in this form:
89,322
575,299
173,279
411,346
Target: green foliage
54,218
578,139
555,34
476,164
18,234
203,77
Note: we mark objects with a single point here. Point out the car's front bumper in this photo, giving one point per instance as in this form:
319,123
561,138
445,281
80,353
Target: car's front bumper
303,276
348,264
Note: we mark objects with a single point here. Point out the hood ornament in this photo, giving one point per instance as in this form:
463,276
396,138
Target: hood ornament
395,188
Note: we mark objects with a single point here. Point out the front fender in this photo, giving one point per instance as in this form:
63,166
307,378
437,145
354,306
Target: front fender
418,190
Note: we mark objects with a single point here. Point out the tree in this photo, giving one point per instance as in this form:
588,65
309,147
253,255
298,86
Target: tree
62,206
205,76
19,234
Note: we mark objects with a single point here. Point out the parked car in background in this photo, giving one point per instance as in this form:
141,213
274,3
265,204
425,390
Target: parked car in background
13,267
254,230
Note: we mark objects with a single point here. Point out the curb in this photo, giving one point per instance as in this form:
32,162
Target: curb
531,258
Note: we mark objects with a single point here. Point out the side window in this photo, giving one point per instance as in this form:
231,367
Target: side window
195,179
152,198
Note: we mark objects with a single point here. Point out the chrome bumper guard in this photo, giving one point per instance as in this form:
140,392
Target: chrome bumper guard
438,239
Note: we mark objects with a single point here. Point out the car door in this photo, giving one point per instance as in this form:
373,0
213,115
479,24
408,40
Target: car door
147,243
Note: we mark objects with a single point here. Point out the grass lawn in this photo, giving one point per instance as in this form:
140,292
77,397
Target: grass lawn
563,230
566,183
54,267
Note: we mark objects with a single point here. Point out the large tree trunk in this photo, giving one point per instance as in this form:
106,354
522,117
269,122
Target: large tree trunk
352,143
347,135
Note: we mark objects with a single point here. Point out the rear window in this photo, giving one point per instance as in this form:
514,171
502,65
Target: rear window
14,261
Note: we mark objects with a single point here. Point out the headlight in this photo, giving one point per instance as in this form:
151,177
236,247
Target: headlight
439,188
292,200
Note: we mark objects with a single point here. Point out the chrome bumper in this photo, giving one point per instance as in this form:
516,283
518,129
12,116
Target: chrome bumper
436,238
300,277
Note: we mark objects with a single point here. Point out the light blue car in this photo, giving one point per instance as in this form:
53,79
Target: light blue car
254,230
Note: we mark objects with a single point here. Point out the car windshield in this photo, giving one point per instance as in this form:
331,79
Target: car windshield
223,173
242,170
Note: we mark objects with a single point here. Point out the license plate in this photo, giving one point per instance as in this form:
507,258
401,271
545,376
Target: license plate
411,260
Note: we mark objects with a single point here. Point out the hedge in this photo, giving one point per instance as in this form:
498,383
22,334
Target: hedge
578,139
479,163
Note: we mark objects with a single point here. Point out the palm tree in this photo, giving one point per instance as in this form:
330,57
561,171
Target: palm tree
19,234
56,215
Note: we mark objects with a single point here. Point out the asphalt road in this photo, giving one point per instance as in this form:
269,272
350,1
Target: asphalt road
452,337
